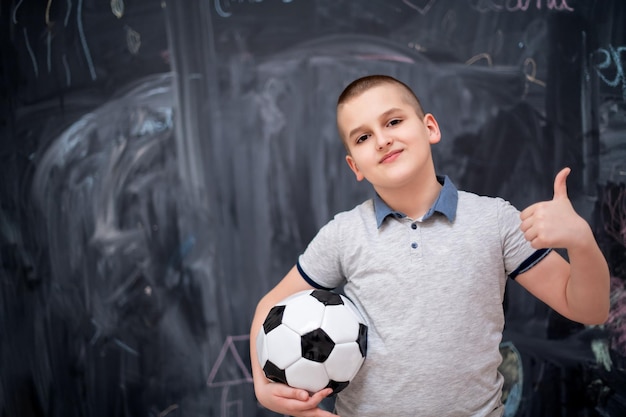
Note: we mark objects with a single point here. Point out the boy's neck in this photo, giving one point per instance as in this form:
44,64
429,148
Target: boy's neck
414,200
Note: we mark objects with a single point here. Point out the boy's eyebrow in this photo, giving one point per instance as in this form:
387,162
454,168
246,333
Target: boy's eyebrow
383,115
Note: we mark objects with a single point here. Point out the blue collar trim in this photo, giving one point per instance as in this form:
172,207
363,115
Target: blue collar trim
445,204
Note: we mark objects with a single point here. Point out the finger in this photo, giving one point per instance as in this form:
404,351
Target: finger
288,392
560,184
528,211
530,235
320,395
311,407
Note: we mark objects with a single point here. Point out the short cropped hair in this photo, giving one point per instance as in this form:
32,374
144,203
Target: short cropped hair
361,85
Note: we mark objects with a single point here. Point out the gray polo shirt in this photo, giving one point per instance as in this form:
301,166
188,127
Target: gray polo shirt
431,291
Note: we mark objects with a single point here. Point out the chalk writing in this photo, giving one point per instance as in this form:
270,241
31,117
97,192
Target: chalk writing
133,40
31,53
83,39
64,23
117,8
484,6
17,6
168,410
67,13
47,18
610,67
421,9
530,69
223,7
478,57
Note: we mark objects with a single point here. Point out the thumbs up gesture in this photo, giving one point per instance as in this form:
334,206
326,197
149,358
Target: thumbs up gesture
554,223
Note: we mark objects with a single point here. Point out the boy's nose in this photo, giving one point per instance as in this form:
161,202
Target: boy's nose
382,141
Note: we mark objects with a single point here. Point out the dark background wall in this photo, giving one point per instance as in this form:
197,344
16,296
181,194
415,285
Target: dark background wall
164,163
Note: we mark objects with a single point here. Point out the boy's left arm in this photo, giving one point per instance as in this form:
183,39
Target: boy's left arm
580,289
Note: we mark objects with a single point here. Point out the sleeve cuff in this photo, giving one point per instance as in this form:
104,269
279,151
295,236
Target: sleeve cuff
309,280
531,261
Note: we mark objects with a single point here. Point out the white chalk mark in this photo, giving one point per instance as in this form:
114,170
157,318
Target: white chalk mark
385,57
168,410
421,10
220,10
478,57
68,74
83,40
117,7
133,40
17,6
69,11
612,55
602,353
31,53
48,23
125,347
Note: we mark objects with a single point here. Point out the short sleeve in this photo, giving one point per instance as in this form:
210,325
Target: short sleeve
519,255
320,263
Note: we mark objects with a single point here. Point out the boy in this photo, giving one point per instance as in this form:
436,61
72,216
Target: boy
426,265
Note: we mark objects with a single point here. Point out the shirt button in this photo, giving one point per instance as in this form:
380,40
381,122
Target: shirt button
413,226
414,245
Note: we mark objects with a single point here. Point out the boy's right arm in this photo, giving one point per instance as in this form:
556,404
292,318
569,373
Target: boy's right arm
275,396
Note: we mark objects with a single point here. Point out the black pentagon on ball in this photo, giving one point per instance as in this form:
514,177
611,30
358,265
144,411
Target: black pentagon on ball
274,318
316,345
327,298
274,373
362,339
337,386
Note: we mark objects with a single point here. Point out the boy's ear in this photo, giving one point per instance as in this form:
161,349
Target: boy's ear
433,128
354,168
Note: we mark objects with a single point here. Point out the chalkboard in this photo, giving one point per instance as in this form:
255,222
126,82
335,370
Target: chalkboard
166,162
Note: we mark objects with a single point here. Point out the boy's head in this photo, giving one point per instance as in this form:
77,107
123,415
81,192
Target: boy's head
386,133
363,84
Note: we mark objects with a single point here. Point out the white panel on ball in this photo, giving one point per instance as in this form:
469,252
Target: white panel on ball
344,362
304,316
340,324
307,375
283,346
261,347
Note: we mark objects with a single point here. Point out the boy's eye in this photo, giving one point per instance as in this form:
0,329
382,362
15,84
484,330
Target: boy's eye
394,122
361,138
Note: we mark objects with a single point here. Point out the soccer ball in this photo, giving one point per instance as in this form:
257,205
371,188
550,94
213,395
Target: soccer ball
312,340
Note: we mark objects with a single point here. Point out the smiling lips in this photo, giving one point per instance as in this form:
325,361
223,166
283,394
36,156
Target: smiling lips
390,157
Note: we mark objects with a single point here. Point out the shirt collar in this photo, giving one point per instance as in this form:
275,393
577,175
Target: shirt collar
445,204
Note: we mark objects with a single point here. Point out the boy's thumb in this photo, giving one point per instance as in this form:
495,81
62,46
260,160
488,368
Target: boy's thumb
560,183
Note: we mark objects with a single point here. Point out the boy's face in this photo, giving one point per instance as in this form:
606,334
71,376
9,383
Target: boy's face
388,143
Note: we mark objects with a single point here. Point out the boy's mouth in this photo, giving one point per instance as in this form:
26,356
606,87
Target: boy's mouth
390,156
